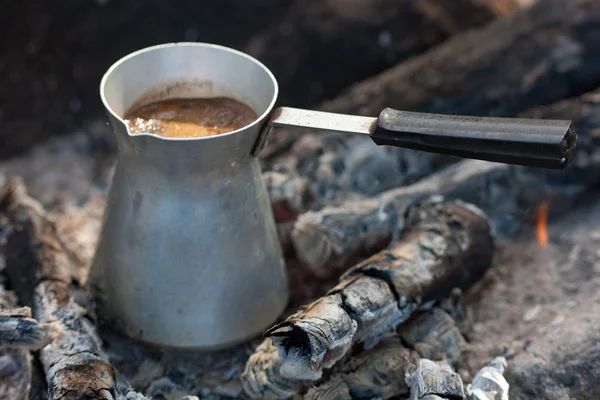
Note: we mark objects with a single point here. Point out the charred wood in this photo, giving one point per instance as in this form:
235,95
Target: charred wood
332,238
366,373
446,245
375,373
382,33
19,330
435,381
381,371
289,195
16,369
74,363
261,378
434,335
341,169
165,389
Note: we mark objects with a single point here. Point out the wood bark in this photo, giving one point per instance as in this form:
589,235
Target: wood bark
332,238
74,364
539,55
446,245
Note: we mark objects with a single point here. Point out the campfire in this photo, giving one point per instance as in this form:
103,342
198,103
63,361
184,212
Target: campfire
412,275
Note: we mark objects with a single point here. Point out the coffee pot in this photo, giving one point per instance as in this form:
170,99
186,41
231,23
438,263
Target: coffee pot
188,256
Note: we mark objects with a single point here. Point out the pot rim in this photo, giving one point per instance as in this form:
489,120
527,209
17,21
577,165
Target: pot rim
258,120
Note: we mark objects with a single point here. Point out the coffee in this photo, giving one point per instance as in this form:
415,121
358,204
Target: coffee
190,118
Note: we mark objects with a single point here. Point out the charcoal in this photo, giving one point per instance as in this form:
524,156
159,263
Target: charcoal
447,245
329,240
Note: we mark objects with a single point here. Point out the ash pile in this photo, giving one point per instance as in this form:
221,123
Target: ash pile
413,275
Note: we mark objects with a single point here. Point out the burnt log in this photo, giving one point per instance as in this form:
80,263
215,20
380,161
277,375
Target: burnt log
16,369
289,195
328,36
19,330
446,245
378,372
74,363
332,238
539,55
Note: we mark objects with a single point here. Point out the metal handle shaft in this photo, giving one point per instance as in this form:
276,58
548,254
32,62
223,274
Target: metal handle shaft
529,142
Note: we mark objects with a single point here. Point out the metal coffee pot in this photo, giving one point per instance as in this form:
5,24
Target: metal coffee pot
188,255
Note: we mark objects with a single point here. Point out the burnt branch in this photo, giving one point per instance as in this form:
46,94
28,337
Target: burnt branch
74,364
333,237
19,330
446,245
16,370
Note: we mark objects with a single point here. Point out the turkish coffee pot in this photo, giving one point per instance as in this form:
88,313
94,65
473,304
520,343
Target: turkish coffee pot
188,256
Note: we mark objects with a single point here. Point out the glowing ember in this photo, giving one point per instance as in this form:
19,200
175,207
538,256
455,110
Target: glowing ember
542,224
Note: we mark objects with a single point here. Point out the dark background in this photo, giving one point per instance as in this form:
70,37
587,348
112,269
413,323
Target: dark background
53,53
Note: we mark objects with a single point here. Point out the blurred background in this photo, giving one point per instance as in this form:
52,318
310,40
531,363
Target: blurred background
53,53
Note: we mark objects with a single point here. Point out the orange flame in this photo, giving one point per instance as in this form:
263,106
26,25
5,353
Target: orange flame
542,224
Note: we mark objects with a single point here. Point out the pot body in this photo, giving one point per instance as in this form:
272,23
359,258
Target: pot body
188,255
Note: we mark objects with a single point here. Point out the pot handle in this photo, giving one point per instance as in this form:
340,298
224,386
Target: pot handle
529,142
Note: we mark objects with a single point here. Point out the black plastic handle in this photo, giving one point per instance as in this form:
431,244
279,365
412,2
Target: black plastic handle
529,142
